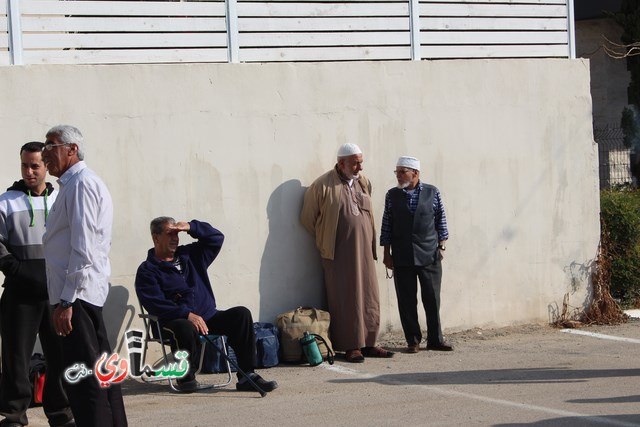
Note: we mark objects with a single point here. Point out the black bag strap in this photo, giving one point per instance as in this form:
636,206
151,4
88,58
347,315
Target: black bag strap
330,353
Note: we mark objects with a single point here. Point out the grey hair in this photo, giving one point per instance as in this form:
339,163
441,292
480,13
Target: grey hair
69,135
157,224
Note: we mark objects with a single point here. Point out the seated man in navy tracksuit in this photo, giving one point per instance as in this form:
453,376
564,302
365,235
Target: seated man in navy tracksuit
173,284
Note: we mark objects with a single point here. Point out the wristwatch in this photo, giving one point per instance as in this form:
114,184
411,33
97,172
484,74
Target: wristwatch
442,247
65,304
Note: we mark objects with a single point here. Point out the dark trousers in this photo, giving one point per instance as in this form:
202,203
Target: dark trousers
92,405
430,277
236,323
21,318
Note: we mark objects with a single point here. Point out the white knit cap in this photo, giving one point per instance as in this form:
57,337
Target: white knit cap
348,150
409,162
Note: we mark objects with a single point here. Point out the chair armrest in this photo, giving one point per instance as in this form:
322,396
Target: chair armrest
148,316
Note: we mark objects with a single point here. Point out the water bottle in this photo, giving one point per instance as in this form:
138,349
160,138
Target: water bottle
311,350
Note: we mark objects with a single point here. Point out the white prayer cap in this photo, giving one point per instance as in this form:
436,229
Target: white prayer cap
348,150
409,162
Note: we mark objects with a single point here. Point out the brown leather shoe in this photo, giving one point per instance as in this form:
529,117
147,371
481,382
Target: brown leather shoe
376,352
354,356
413,348
443,346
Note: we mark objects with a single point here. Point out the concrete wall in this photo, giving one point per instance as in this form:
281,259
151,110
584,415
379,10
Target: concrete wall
508,142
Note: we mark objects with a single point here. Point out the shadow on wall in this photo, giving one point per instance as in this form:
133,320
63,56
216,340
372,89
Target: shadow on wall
117,312
579,277
290,269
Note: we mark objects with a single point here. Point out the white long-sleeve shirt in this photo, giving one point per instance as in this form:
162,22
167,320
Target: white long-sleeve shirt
78,238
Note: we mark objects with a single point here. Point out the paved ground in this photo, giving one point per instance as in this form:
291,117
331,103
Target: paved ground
523,376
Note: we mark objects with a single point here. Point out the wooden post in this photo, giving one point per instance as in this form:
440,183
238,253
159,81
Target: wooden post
232,30
15,32
414,29
571,30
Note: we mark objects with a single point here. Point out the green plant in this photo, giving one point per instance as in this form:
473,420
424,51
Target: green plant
620,219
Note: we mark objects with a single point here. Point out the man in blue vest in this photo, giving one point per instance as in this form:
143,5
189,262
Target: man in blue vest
414,233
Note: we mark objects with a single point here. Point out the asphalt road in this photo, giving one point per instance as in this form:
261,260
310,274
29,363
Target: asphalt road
523,376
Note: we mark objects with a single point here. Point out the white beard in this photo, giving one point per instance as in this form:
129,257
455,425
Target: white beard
403,185
346,173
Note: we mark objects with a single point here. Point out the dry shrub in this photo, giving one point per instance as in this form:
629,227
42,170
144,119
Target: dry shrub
603,309
568,319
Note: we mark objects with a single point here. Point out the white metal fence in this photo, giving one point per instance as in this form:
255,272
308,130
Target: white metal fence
100,32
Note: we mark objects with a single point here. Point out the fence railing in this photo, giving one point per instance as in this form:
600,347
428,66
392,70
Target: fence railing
96,32
614,158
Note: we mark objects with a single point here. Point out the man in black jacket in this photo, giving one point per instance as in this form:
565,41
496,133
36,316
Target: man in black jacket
173,284
24,306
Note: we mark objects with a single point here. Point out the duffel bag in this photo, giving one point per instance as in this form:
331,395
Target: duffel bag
213,362
267,344
292,326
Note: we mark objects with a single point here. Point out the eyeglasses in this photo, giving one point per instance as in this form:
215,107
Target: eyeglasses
48,146
402,171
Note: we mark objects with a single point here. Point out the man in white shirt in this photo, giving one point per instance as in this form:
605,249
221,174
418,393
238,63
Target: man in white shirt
76,250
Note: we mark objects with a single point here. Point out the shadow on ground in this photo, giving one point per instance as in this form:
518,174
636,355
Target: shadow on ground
495,376
626,420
